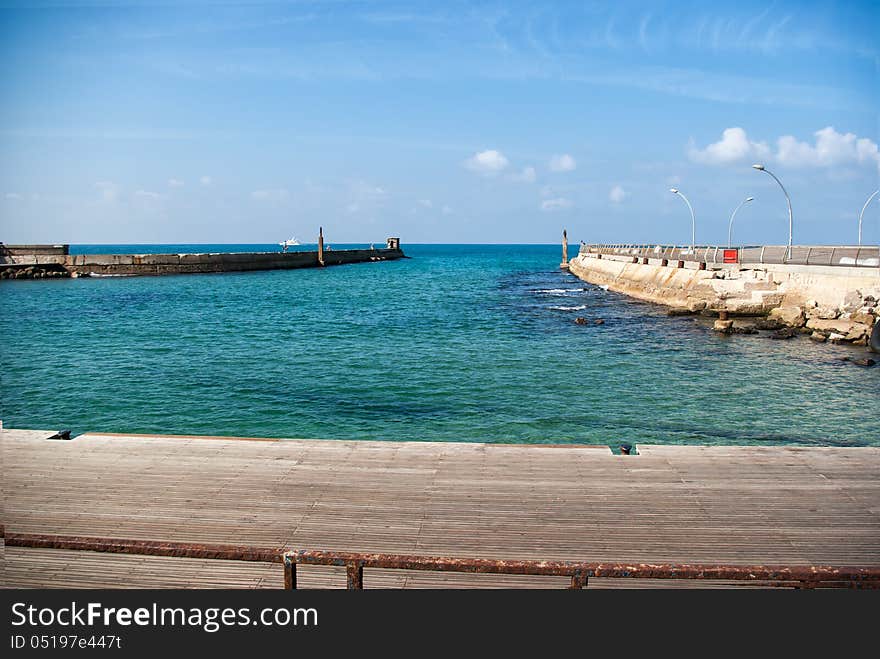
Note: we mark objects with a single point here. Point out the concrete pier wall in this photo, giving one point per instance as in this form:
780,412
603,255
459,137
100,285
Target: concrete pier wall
161,264
796,295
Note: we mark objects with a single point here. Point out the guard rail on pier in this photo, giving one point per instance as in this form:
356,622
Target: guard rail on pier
866,256
790,576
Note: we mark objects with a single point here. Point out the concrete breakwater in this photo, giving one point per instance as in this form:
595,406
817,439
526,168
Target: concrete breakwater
836,303
38,265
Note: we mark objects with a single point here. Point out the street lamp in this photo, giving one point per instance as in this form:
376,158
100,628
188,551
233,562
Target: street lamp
761,168
733,215
693,220
873,194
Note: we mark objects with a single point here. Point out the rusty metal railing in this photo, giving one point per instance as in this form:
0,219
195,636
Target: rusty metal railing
580,571
145,547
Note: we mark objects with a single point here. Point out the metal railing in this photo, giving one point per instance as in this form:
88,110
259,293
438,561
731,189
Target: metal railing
581,571
834,255
578,571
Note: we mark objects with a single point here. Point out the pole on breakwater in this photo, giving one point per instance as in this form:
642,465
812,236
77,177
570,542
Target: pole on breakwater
564,264
320,245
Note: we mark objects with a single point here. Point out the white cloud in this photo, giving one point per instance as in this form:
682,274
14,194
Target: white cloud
830,148
366,197
362,190
175,183
108,190
272,194
487,162
527,175
426,203
559,203
617,194
734,146
147,194
562,163
206,181
13,195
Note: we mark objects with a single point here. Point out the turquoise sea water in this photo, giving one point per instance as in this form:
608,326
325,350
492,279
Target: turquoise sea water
459,343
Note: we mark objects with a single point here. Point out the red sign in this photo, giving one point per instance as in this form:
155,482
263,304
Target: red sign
731,256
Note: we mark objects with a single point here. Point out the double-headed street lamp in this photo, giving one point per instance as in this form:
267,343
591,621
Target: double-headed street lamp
733,215
761,168
693,220
873,194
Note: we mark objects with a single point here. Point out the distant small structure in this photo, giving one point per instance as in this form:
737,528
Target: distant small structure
392,243
564,264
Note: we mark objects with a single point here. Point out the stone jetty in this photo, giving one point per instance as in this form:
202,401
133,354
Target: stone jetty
836,303
55,261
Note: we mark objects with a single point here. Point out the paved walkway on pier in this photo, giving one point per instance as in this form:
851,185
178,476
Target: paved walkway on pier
745,505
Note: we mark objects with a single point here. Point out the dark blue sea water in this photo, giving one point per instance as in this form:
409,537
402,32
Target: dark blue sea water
459,343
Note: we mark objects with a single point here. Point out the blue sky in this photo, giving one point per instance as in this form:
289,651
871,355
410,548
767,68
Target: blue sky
496,122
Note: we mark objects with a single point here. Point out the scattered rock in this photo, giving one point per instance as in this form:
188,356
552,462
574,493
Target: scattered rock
723,326
852,301
599,321
818,336
848,329
678,311
785,333
580,321
834,337
791,316
768,324
862,317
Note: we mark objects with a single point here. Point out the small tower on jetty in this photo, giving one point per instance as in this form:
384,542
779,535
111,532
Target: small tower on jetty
320,245
564,264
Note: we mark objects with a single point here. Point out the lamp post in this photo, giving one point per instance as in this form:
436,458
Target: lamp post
693,220
873,194
733,215
761,168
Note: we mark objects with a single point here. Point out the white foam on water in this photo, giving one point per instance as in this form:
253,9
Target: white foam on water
577,308
558,291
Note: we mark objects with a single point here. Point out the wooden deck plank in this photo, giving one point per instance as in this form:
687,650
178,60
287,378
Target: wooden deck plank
685,504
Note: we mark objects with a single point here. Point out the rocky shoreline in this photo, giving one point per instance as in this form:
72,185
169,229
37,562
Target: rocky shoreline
837,306
853,323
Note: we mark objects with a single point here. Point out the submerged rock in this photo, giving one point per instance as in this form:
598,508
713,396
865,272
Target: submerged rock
723,326
599,321
818,336
580,321
865,362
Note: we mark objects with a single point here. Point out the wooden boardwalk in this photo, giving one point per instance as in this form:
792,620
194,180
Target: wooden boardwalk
745,505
